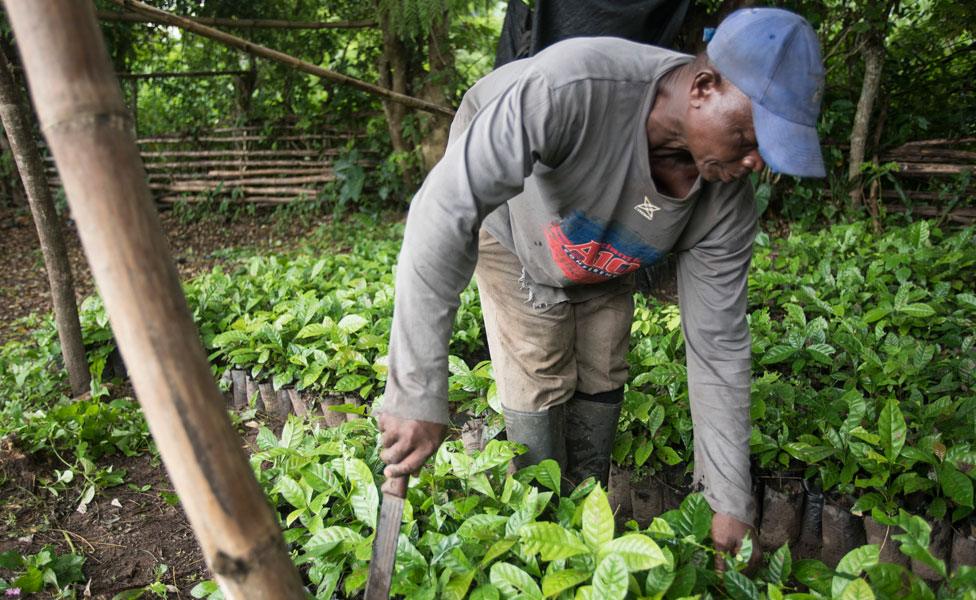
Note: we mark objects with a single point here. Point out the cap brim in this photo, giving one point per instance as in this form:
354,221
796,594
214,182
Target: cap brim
787,147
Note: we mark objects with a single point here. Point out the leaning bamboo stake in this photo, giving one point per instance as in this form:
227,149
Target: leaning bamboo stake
13,111
166,18
80,106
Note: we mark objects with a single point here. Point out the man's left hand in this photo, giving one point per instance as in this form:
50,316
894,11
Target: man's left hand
727,534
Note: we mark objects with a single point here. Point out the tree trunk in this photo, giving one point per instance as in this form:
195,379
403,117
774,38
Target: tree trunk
80,108
873,60
393,76
22,145
441,62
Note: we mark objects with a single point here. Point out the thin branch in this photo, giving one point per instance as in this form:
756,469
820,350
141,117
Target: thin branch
111,16
161,16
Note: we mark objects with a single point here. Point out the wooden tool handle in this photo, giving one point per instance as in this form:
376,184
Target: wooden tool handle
396,486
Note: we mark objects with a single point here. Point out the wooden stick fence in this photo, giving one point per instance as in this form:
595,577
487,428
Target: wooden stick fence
240,162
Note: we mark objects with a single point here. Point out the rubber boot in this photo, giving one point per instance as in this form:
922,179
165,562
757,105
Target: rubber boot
591,428
543,433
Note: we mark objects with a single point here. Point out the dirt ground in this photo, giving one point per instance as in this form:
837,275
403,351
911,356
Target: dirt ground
195,244
126,533
128,530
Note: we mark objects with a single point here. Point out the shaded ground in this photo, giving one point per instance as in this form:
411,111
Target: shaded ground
126,533
196,244
130,530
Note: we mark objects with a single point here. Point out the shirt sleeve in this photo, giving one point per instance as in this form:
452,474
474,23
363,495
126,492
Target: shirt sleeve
484,166
712,290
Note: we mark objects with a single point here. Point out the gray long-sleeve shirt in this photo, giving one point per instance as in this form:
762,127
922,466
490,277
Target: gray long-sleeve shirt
550,153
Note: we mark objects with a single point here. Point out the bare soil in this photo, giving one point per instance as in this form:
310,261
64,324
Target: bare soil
128,530
124,534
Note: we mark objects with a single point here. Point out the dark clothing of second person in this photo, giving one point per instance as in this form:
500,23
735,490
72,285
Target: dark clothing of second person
526,31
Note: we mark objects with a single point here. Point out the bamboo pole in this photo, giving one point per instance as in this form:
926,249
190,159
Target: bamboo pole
228,152
79,102
213,187
13,111
202,164
259,200
245,178
161,16
110,16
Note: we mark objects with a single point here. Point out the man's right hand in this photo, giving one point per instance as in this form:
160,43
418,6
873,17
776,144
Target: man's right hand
408,443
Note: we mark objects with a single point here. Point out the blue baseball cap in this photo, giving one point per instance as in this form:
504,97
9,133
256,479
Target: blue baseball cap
773,56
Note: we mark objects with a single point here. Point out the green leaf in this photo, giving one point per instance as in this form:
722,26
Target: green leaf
559,581
956,485
266,439
351,383
549,475
230,338
204,589
328,538
497,549
966,299
11,560
643,452
893,429
482,527
485,592
597,519
610,580
512,581
877,313
639,552
365,498
495,454
291,491
780,565
658,581
668,456
813,574
805,452
914,541
918,310
739,587
777,354
857,590
866,502
352,323
31,582
291,434
551,541
851,566
457,587
821,353
693,517
313,330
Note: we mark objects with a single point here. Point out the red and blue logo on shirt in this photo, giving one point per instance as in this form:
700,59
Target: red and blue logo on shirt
588,251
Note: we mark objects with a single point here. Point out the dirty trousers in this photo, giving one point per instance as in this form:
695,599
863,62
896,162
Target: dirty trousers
542,356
